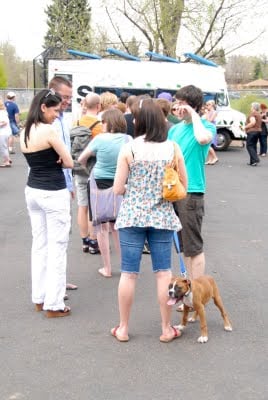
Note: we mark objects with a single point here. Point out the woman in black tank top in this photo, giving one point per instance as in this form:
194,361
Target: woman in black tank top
48,203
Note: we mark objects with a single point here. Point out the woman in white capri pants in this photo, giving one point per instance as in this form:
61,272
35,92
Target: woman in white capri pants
48,203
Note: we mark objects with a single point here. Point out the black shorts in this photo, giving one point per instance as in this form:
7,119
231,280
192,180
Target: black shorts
191,211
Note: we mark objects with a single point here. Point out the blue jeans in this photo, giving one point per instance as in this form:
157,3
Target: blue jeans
132,240
252,139
263,143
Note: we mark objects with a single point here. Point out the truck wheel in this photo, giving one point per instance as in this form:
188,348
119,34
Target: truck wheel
223,140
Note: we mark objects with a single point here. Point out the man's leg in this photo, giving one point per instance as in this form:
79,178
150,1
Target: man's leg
89,241
195,265
191,213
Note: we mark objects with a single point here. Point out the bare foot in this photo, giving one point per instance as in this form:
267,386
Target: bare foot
104,273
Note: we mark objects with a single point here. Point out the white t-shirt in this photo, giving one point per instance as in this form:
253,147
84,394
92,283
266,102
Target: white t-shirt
5,129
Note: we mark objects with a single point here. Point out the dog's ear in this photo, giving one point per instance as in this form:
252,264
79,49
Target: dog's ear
187,281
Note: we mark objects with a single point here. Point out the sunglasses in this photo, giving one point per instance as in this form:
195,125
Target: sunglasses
51,92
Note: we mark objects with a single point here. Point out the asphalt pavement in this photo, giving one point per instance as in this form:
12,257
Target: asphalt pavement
76,358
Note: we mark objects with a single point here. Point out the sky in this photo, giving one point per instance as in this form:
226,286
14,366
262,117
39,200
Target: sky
23,24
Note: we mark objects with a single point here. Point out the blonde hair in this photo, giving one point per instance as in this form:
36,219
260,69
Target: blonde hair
211,102
107,99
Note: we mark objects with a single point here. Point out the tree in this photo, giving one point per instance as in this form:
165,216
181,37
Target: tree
257,70
157,21
14,72
208,26
239,69
3,76
134,47
68,27
218,23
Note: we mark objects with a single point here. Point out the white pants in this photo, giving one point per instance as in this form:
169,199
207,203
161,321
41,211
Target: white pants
49,211
4,147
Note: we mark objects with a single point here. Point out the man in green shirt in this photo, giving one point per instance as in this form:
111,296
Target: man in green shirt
194,136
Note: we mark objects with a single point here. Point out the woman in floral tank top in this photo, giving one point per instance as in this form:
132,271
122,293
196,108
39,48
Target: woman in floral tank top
144,214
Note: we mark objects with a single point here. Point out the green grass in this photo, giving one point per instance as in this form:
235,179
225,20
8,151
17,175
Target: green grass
243,104
23,115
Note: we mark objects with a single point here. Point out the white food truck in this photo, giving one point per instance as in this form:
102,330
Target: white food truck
153,77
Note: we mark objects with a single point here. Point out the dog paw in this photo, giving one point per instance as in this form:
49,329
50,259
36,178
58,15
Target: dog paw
228,328
191,319
180,327
202,339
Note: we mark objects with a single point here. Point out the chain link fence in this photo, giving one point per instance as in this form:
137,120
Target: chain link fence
23,97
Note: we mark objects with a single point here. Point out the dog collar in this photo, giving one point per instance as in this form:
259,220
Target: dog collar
189,291
188,299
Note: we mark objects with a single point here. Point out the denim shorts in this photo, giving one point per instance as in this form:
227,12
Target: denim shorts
14,128
132,240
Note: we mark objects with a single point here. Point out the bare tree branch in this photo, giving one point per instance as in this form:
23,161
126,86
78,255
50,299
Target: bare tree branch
140,28
116,30
198,50
245,43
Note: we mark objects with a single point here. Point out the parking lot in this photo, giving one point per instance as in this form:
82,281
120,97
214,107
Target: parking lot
76,358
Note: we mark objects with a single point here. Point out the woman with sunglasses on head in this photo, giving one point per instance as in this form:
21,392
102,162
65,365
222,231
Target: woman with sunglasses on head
144,214
48,203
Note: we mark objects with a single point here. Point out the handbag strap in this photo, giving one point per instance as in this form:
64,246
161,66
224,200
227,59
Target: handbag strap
174,162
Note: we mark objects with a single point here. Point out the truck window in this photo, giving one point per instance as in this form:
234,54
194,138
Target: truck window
222,99
117,91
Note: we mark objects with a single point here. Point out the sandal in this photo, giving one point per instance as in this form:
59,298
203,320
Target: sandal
167,339
214,162
5,165
118,337
70,286
58,313
102,272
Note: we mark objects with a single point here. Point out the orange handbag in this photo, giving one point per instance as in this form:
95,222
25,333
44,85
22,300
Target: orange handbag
173,189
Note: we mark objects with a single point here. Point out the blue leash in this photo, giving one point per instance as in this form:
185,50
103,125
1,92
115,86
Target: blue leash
181,262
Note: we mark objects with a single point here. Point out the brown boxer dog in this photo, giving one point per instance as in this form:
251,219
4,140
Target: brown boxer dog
195,294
